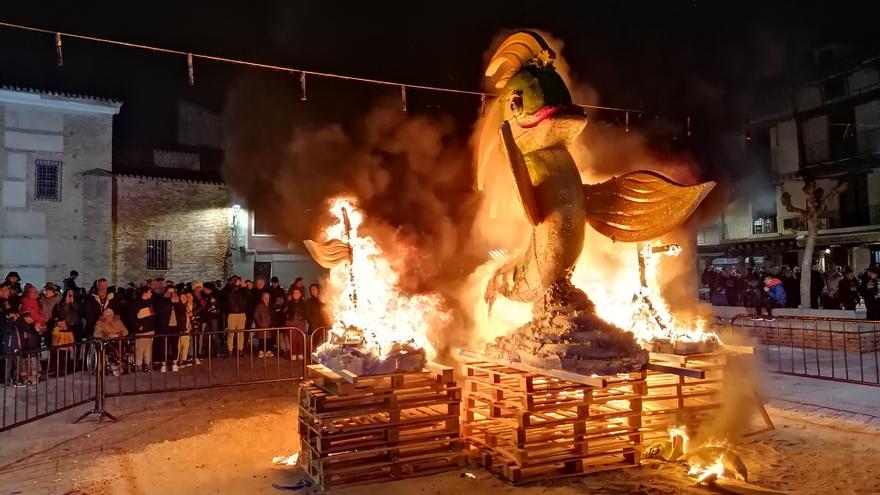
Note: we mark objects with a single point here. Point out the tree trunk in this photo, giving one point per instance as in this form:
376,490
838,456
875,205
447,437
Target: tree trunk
807,262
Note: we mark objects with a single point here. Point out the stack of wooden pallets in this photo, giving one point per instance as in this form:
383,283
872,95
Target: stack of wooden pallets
687,394
366,429
530,425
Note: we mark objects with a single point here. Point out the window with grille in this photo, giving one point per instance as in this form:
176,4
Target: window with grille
158,254
47,180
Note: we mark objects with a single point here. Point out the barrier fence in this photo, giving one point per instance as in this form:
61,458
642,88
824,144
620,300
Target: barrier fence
838,349
50,380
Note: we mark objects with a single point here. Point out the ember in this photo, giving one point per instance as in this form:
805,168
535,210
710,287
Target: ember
376,329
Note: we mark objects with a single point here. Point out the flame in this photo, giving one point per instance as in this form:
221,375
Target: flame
612,286
696,469
286,460
363,294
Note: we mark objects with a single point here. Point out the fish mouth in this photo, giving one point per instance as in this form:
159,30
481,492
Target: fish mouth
547,112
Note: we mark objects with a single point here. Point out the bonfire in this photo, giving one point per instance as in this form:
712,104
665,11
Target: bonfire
376,328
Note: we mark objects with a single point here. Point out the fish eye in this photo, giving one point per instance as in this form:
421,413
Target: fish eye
516,103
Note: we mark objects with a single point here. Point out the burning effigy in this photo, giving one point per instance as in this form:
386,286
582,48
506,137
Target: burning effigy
536,123
376,329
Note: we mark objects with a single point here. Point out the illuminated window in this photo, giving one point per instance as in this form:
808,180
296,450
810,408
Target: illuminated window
158,254
47,180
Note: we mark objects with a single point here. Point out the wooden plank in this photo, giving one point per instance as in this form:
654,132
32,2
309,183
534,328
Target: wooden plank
677,370
738,349
593,381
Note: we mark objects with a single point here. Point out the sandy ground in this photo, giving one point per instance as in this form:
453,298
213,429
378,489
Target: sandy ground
223,441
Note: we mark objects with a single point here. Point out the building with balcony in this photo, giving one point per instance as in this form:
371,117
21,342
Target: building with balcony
831,132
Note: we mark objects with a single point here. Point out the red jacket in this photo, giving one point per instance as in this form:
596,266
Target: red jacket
33,307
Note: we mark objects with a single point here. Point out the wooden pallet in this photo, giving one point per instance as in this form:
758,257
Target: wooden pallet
687,390
527,426
366,429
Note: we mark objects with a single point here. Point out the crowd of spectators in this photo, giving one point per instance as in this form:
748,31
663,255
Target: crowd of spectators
838,287
186,322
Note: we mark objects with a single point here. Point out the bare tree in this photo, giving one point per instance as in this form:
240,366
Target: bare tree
815,202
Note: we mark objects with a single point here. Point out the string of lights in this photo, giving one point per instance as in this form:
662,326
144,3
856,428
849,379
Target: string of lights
191,56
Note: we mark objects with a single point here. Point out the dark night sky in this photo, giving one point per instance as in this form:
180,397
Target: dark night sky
719,62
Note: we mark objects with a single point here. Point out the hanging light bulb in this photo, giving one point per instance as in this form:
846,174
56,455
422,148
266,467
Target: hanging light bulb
626,122
190,73
58,54
688,126
403,96
748,135
302,86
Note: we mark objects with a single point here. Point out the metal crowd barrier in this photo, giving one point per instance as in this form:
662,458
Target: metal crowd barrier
838,349
41,383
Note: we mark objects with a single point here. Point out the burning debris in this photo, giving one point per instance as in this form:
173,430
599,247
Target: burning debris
376,329
713,463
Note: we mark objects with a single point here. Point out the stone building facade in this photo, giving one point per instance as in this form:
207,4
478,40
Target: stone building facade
187,220
55,214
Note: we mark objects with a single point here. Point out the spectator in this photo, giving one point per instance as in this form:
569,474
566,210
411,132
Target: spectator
110,327
145,328
872,295
832,280
773,297
792,285
68,311
170,316
300,284
69,283
100,300
817,286
236,308
210,314
315,315
276,290
14,283
263,319
10,346
848,290
30,338
187,317
48,300
30,303
295,317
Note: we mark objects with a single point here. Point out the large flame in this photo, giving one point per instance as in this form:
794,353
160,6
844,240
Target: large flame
702,471
364,294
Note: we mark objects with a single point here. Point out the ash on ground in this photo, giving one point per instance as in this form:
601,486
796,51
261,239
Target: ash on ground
566,334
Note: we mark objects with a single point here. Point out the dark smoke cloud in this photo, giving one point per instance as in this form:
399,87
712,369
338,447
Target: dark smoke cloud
409,173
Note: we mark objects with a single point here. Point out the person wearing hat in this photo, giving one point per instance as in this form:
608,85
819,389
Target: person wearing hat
48,300
10,345
871,293
14,282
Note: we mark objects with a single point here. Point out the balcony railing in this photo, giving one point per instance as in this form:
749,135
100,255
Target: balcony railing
732,230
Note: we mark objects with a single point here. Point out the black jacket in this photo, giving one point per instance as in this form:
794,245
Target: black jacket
95,306
143,316
236,300
295,310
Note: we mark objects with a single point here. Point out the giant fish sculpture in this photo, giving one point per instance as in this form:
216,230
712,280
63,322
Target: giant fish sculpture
538,121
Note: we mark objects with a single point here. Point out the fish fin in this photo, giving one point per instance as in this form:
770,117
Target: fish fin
330,253
520,171
641,205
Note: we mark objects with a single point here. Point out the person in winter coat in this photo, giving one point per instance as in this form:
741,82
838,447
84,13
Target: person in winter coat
30,303
848,290
210,317
68,311
144,317
30,337
100,300
817,286
263,319
295,316
10,347
872,294
48,300
110,326
170,322
189,322
236,315
773,297
315,315
792,285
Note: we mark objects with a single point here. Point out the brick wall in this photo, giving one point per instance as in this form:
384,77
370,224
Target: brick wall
195,217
